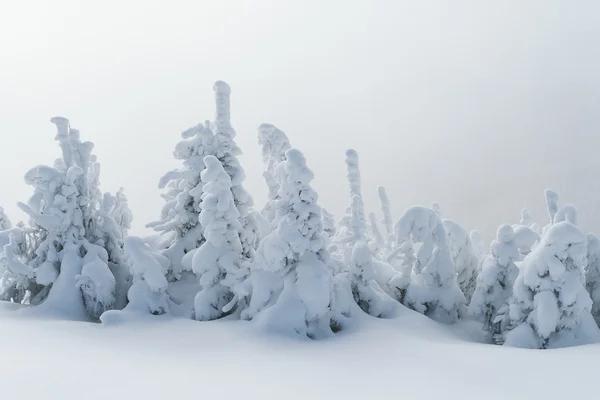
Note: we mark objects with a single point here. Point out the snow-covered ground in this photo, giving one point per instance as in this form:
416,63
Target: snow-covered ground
410,357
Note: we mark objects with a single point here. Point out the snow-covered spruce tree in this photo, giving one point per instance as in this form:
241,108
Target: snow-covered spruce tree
526,219
428,285
495,283
292,284
180,217
552,207
550,306
4,221
274,143
478,244
592,274
148,293
219,259
227,151
353,224
365,290
466,262
328,223
67,255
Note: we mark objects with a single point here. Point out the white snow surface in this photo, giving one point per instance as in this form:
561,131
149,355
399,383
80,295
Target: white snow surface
230,359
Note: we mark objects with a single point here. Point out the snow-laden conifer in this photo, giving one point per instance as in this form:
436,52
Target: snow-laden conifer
219,259
274,143
292,284
464,258
495,283
428,281
550,306
180,216
72,248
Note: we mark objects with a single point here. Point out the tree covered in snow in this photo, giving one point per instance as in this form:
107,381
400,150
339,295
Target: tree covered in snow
550,306
4,221
466,262
495,283
365,290
592,273
353,225
274,143
180,216
227,152
148,293
428,280
72,252
292,284
218,261
328,223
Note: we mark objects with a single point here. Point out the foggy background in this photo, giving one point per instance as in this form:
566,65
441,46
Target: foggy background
477,105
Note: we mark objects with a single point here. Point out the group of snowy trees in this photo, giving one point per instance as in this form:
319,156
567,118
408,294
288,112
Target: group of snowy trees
288,267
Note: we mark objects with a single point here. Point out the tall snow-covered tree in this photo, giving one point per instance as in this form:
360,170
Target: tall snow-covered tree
292,284
495,283
550,306
274,143
466,262
180,217
428,280
67,256
352,225
227,152
218,261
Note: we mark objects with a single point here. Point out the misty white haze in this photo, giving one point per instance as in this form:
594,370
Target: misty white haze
478,106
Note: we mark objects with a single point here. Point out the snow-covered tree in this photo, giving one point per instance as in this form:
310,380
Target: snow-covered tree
148,293
353,225
70,250
478,244
180,217
550,306
495,283
227,151
365,290
274,143
4,221
466,262
428,280
292,284
592,274
219,259
526,219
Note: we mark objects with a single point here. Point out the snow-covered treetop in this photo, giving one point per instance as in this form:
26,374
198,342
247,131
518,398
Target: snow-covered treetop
353,173
223,115
4,221
526,219
504,249
274,144
422,224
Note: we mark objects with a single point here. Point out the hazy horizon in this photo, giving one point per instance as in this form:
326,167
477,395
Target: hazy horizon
477,106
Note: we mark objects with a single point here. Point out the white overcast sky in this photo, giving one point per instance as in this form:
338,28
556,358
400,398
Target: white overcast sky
478,105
